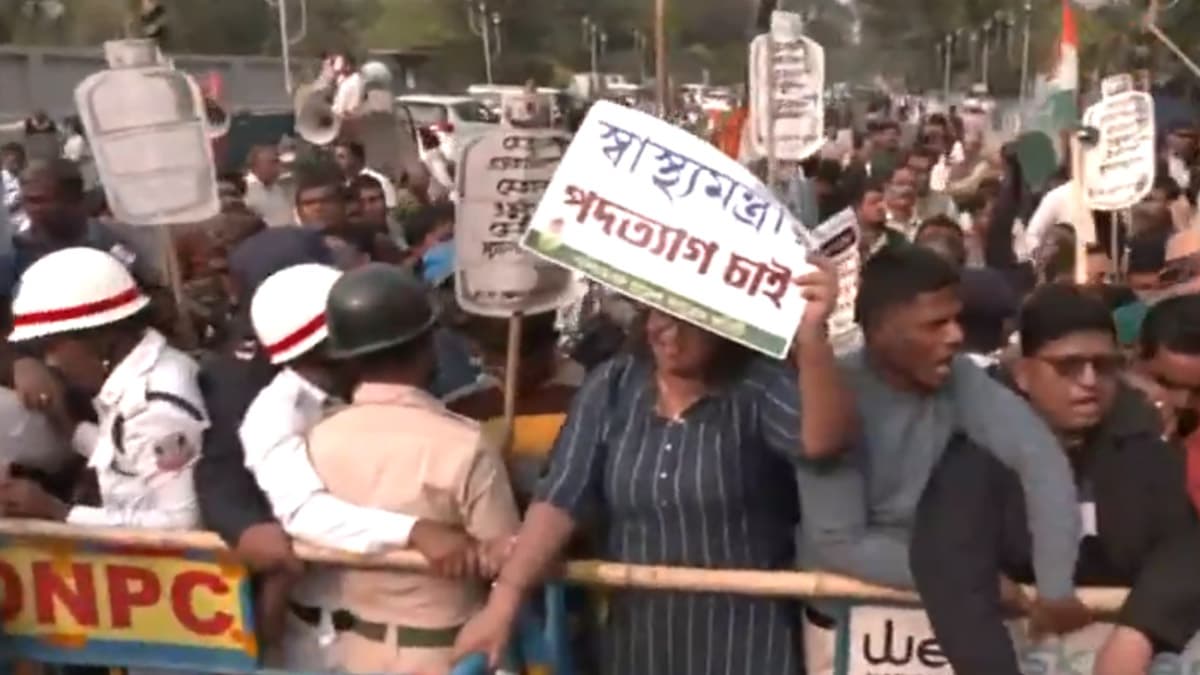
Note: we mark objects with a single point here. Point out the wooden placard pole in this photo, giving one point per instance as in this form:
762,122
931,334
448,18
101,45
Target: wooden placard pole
185,327
512,372
1085,228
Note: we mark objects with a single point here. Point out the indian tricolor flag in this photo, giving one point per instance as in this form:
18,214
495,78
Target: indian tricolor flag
1062,87
1053,108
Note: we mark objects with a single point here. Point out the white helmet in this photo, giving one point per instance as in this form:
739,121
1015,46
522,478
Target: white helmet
73,289
288,310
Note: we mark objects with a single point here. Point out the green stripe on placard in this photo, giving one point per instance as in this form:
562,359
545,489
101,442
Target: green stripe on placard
656,296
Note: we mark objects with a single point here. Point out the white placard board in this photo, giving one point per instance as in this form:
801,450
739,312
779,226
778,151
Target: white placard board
837,239
149,135
502,177
1119,169
796,72
1116,84
662,216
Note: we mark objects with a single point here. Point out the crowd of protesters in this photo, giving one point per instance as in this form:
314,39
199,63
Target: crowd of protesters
1004,422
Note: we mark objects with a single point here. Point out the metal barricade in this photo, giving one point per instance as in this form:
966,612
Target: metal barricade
180,601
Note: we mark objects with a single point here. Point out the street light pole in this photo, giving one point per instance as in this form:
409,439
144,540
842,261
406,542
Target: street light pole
481,23
987,52
1025,52
948,54
660,55
639,45
591,35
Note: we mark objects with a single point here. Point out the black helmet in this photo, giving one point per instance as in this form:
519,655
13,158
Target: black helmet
376,307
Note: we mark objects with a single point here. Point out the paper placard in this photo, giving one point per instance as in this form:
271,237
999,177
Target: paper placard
502,177
796,70
1116,84
837,239
1119,169
665,218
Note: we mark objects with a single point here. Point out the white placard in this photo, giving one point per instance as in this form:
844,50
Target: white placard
837,239
1116,84
797,70
885,640
502,177
149,136
893,641
1119,169
663,217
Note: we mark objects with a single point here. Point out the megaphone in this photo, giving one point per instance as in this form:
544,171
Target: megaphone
216,119
315,121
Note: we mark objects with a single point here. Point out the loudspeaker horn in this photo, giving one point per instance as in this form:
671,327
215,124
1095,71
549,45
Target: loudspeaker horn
315,121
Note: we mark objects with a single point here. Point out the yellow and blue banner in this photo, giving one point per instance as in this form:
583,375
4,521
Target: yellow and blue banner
64,601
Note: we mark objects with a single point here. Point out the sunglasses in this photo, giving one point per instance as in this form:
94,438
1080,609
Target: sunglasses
1073,366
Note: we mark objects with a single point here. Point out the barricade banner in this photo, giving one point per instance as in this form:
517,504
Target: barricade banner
898,640
64,601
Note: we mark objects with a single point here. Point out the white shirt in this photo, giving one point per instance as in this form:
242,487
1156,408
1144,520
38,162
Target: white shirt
389,189
273,202
1179,171
18,221
349,95
1055,207
152,423
273,436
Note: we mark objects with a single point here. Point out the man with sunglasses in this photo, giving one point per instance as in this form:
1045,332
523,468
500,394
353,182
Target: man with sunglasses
1139,528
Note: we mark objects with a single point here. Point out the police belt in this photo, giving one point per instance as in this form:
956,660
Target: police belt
344,621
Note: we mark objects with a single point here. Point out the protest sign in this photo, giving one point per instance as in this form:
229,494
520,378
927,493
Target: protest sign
502,177
1119,169
837,239
71,602
661,216
148,130
1116,84
787,89
894,640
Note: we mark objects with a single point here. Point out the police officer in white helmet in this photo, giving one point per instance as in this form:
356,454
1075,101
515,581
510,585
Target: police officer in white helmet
80,310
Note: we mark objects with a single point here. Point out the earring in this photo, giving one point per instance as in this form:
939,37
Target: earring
106,364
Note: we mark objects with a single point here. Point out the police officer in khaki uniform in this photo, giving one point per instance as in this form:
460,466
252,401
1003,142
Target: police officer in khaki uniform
398,448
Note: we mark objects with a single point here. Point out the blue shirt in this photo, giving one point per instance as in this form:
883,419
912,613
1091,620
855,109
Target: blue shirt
26,251
859,509
712,489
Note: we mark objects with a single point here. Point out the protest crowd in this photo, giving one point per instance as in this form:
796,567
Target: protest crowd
987,392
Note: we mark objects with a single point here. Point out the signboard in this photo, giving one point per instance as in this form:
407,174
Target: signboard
665,218
502,177
148,131
837,239
1116,84
66,602
787,88
1119,169
890,640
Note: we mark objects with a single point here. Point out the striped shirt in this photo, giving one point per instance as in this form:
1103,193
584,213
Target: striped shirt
713,489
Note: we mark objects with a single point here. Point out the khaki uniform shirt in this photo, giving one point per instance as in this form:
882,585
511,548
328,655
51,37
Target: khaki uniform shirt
398,448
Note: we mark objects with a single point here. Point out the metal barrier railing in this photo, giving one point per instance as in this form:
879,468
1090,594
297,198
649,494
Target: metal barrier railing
152,599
